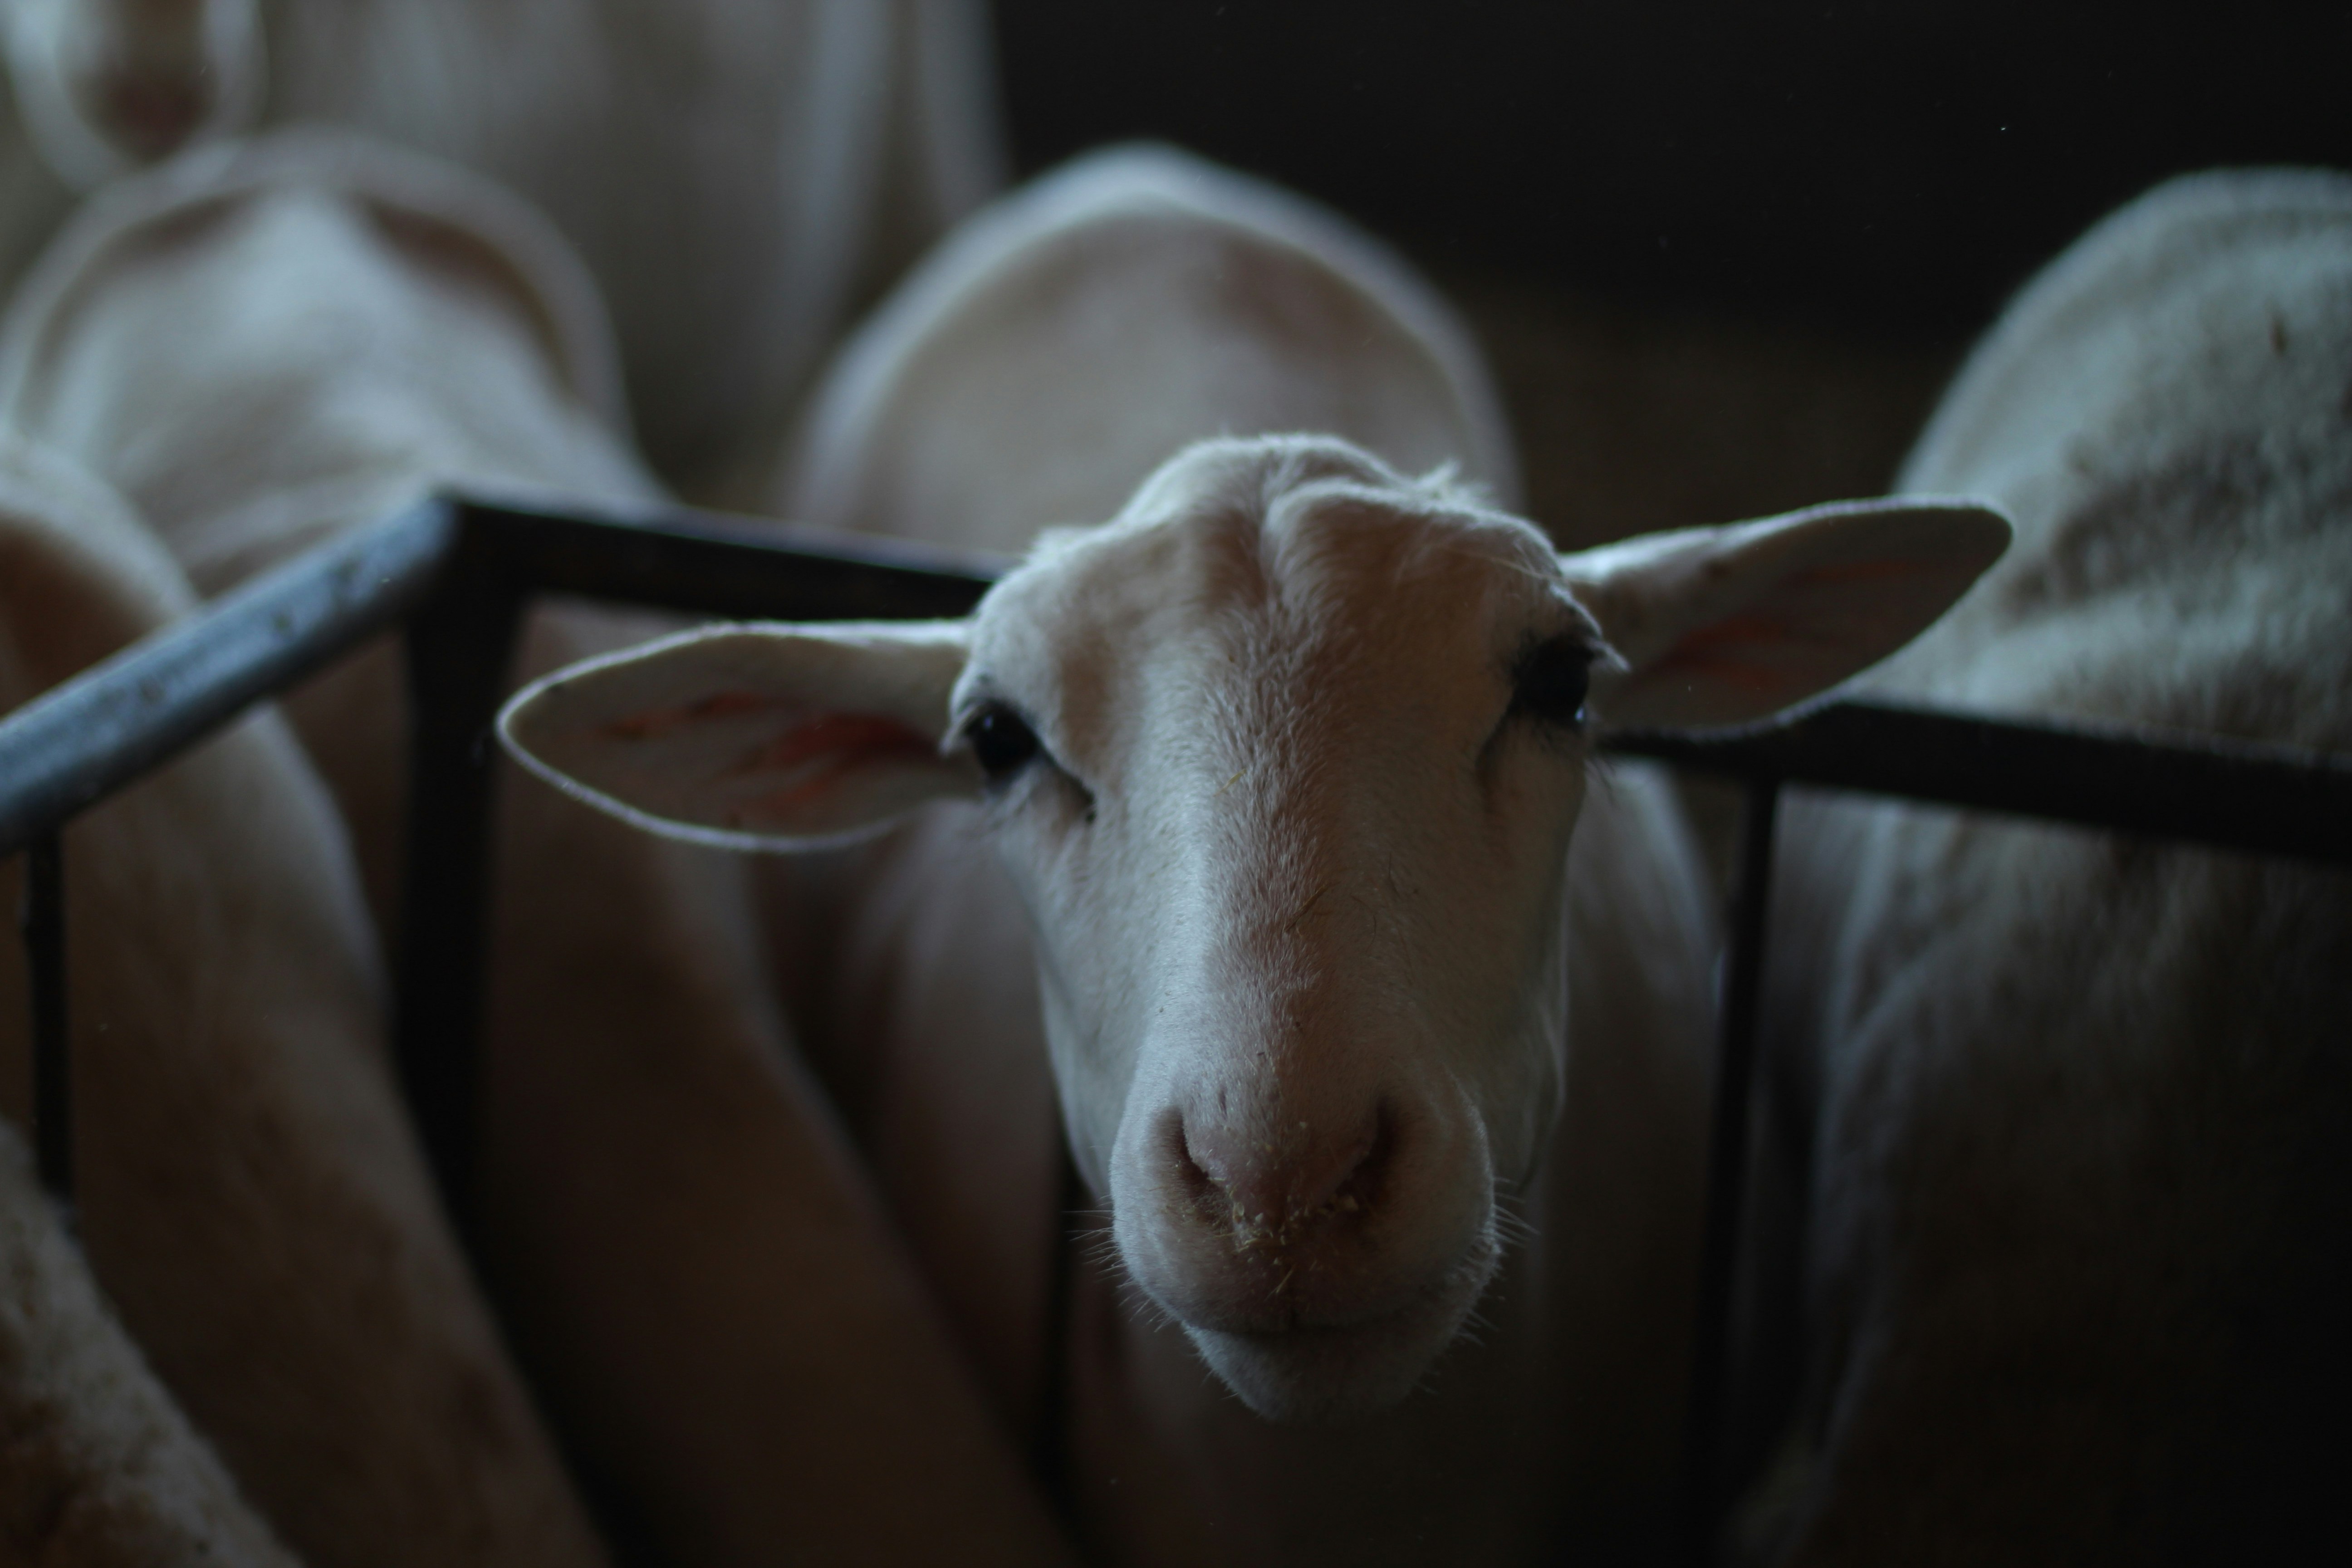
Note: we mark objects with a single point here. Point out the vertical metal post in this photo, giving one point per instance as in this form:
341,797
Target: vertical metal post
44,922
459,643
1726,1173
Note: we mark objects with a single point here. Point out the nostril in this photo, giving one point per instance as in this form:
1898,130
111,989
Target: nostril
1284,1171
1358,1183
1362,1186
1197,1180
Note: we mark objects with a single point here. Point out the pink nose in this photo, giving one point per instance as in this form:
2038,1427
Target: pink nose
1283,1178
1259,1208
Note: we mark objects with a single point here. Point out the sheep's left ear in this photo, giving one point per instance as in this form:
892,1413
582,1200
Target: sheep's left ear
754,737
1724,626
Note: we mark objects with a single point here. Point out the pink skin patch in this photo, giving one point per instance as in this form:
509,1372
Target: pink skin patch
840,744
657,722
1717,651
849,738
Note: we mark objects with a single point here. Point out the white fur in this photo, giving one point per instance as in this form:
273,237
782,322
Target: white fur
1316,972
2079,1259
737,173
267,342
102,1467
1020,335
250,1197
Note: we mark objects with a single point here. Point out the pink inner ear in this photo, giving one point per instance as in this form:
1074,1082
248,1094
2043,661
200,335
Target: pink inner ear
839,744
656,722
847,739
1714,652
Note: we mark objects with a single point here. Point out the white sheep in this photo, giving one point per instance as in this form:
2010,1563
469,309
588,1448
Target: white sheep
2080,1264
1253,309
264,344
252,1202
737,173
1281,764
97,1467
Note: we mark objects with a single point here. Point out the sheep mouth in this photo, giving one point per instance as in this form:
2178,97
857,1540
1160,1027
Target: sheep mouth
1326,1374
1283,1313
1295,1367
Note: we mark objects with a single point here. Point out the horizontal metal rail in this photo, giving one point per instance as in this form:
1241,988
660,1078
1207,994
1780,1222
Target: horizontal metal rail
712,564
91,735
88,737
2233,795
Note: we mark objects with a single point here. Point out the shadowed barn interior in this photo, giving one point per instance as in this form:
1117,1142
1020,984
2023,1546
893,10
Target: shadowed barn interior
1721,256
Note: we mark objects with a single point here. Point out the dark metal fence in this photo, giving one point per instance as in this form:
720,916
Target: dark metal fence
456,574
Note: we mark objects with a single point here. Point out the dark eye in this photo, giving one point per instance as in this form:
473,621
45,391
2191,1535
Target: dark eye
1550,682
1000,743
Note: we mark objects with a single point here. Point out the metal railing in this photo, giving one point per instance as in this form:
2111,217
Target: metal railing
456,573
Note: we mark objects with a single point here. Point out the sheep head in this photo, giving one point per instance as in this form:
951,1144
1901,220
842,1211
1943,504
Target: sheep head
1285,759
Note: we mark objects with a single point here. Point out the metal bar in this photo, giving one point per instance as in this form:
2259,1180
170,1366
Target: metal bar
1726,1173
44,918
707,564
91,735
461,641
2236,795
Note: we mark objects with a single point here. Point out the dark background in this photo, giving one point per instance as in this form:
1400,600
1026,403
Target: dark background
1895,167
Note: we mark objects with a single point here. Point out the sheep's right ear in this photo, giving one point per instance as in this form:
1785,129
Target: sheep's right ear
1729,625
754,737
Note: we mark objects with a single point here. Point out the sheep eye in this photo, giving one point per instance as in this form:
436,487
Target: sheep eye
1000,743
1551,680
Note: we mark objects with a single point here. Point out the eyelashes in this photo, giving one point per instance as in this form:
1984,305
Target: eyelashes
1005,745
1551,680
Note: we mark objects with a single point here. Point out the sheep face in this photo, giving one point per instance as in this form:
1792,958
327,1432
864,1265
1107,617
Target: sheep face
1284,761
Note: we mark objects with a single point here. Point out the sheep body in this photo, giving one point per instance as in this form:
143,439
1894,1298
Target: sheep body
784,158
251,1199
266,343
2078,1191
